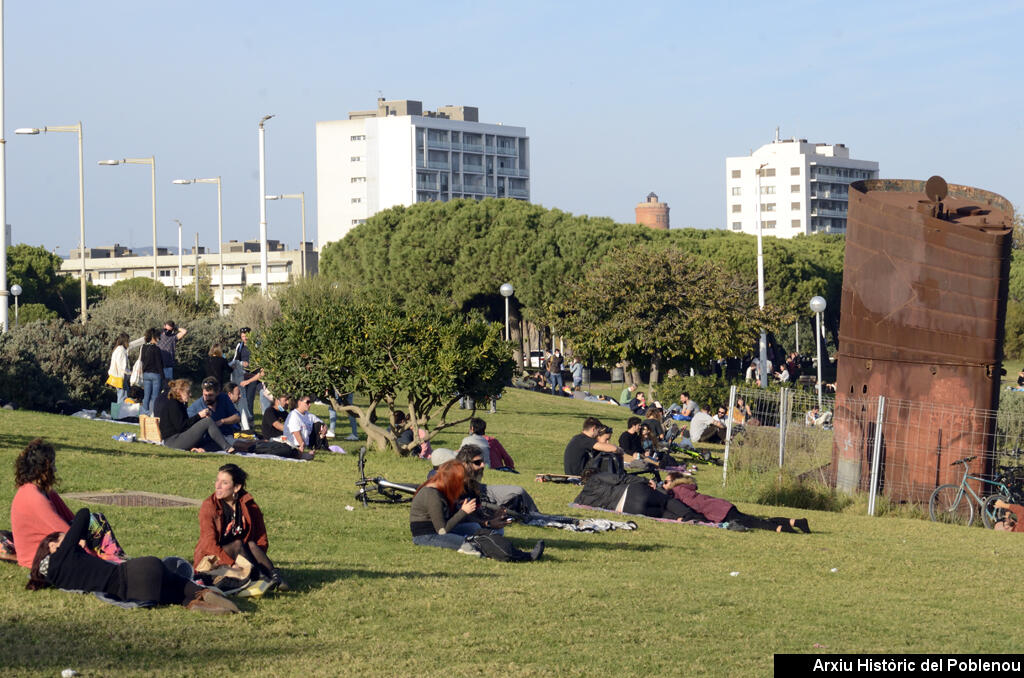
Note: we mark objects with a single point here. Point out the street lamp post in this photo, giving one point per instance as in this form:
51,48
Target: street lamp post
301,197
763,344
151,161
76,128
818,306
178,221
220,229
507,291
263,207
16,292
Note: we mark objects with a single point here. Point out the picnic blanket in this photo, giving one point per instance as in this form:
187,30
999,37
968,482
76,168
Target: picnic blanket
576,524
640,515
129,437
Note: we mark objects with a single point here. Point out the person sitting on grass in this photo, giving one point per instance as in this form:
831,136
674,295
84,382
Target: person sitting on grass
221,404
630,494
704,429
303,430
433,515
37,510
61,561
511,497
715,510
272,425
181,431
583,446
815,417
500,459
231,527
630,441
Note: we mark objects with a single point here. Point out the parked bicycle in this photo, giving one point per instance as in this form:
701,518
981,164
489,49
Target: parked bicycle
955,503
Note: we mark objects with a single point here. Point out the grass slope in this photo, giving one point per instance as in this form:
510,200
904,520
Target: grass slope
365,601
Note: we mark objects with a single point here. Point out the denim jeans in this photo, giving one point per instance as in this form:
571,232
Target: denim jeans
122,393
168,374
445,541
150,390
556,382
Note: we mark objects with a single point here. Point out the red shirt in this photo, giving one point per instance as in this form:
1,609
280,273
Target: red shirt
33,516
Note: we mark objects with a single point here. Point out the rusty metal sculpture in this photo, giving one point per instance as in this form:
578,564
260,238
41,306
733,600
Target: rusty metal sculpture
923,306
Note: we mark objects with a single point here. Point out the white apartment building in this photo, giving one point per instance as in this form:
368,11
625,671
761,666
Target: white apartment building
793,187
105,266
399,154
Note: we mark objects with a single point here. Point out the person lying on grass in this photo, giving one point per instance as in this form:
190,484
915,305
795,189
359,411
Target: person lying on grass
630,494
37,510
61,561
181,431
714,510
231,527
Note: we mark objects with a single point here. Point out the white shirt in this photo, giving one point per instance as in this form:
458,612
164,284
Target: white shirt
303,423
481,442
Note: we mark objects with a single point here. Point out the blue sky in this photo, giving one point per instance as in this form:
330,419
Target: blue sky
618,100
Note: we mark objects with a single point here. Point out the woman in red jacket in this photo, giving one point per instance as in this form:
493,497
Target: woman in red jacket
684,488
231,525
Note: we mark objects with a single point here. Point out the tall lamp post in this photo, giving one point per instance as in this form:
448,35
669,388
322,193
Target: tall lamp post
178,221
151,161
763,344
507,291
16,292
220,229
301,197
818,306
76,128
263,207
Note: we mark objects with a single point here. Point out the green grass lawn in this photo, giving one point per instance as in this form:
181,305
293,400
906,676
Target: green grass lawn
655,602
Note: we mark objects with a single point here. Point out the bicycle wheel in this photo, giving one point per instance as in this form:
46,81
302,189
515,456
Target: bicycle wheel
949,505
990,515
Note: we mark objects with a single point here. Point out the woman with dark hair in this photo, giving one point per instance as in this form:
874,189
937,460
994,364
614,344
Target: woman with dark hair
232,533
433,516
37,510
61,562
117,373
684,488
216,365
152,370
178,429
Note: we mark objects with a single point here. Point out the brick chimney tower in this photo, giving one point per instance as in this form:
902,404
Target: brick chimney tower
652,213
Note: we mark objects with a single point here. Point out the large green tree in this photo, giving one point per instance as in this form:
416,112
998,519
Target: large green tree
36,269
383,350
663,305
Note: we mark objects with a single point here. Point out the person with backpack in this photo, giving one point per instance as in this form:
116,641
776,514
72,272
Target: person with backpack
630,494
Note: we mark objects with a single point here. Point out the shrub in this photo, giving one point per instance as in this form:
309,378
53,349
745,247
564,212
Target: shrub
709,391
30,313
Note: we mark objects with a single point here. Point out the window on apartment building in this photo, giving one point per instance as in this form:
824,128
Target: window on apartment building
737,208
358,180
735,174
355,158
767,172
794,171
767,190
767,224
795,188
796,223
358,221
357,137
736,190
794,205
737,225
767,207
357,200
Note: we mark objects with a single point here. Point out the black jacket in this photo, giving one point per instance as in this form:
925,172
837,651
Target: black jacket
173,415
603,490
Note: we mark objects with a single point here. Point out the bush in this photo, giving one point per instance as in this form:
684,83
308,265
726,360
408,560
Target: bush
255,311
30,313
709,391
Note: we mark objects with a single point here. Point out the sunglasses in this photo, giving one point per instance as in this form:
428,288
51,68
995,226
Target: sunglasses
477,462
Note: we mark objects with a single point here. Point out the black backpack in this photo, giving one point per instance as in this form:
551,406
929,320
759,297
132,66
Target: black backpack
496,547
606,462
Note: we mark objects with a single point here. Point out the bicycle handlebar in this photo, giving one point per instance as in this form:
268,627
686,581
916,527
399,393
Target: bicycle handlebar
964,460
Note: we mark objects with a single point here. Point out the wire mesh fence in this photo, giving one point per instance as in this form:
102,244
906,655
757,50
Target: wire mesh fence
897,449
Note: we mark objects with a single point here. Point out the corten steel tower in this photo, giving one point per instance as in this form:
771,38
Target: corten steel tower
925,282
652,213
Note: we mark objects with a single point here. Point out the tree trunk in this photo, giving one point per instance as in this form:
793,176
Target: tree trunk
655,365
634,375
516,330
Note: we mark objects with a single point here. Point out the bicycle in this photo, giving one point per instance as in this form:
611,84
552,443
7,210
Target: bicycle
380,490
948,503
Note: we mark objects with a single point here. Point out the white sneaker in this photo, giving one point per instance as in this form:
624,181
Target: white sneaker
470,550
330,434
351,436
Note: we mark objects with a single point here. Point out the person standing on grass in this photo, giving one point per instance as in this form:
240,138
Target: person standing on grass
118,373
152,370
168,342
555,370
576,369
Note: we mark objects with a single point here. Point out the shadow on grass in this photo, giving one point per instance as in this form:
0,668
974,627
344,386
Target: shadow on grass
570,544
306,580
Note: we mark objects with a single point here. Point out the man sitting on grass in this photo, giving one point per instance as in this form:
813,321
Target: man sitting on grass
704,429
583,447
222,409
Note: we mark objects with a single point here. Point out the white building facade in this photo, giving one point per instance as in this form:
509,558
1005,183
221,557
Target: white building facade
792,187
399,155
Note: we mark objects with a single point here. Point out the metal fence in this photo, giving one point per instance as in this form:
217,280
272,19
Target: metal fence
898,449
